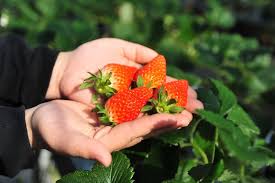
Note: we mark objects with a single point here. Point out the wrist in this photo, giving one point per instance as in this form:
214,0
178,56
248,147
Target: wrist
53,91
28,121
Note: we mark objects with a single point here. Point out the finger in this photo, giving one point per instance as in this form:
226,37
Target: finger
121,135
192,93
170,79
102,132
137,52
185,119
79,145
193,105
128,62
134,142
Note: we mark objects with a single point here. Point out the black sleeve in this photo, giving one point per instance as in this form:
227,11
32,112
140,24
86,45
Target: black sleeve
24,79
15,151
24,72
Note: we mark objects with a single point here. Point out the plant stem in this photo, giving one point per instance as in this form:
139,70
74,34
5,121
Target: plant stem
216,137
142,154
195,146
201,152
242,173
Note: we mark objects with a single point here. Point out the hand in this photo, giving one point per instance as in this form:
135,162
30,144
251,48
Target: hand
71,128
72,67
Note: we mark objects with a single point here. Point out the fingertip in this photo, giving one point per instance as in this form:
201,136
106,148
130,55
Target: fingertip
107,160
101,154
184,118
193,105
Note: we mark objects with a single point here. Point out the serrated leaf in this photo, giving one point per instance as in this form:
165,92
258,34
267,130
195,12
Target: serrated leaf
226,96
235,141
175,138
119,171
245,152
207,172
210,101
242,119
229,177
182,175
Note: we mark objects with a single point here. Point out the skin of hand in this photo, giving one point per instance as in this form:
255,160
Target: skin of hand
70,128
71,68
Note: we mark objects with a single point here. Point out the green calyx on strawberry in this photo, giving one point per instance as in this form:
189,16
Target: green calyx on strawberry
111,79
123,106
170,97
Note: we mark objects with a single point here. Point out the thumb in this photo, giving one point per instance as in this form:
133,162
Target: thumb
83,146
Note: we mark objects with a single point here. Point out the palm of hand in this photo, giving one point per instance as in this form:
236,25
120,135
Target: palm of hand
92,56
70,128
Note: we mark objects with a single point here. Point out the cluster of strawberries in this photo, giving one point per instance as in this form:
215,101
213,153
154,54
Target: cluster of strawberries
129,91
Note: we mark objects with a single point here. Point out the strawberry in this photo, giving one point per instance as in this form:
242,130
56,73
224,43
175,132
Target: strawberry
111,79
171,97
152,74
124,106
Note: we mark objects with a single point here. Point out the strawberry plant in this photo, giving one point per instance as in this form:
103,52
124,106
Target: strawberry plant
230,41
221,144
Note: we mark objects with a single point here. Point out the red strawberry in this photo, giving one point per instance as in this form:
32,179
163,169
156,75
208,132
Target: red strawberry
124,106
111,79
171,97
153,74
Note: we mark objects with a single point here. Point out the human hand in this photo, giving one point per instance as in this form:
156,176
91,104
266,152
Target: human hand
72,67
70,128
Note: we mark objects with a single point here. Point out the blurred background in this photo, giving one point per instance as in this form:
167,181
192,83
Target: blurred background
231,40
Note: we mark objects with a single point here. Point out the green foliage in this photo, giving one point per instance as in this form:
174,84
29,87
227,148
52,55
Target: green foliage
119,171
201,40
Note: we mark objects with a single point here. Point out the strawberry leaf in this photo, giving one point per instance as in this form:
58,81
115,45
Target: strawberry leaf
242,119
119,171
226,96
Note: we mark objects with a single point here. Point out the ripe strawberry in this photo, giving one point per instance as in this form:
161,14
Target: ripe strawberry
171,97
111,79
124,106
153,74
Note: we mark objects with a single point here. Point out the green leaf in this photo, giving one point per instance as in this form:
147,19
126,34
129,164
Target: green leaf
210,101
242,119
85,85
226,96
229,177
245,152
236,142
207,172
175,138
119,171
182,172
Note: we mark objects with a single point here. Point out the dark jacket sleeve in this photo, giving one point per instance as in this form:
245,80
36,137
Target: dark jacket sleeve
24,79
